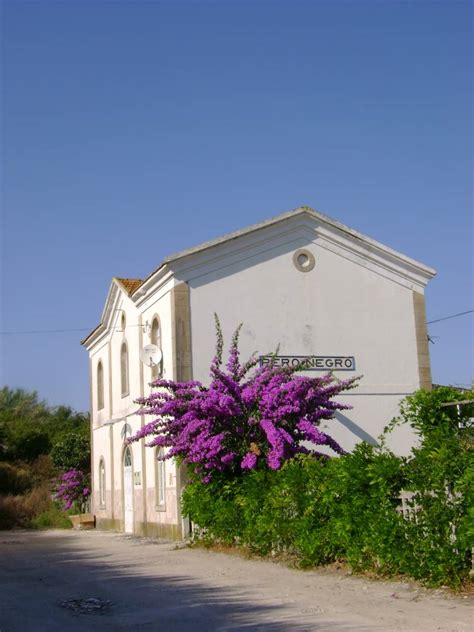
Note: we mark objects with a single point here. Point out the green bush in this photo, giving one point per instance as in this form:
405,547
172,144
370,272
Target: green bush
345,509
52,518
441,473
33,510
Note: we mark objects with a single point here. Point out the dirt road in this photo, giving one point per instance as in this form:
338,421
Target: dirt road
62,581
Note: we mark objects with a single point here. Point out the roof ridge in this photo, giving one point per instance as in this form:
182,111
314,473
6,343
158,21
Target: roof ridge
300,210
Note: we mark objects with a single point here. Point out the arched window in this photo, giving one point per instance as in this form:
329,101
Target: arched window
102,483
124,369
160,482
156,371
100,386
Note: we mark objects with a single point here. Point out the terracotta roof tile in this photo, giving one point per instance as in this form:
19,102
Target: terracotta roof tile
130,284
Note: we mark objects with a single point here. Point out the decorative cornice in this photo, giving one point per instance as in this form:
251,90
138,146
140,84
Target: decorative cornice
305,225
105,320
303,211
321,229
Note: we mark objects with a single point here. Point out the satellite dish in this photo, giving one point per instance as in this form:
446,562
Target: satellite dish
151,355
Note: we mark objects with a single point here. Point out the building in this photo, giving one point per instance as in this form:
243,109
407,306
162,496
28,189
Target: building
301,281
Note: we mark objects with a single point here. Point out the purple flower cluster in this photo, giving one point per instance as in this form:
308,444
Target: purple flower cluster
72,489
248,417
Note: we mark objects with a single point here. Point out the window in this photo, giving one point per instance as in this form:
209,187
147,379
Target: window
124,369
156,371
160,473
102,483
123,322
100,386
303,260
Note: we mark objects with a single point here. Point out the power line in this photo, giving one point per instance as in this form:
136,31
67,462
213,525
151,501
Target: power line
57,331
61,331
40,331
469,311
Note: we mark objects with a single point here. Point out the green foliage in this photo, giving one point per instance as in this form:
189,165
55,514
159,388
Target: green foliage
27,444
346,509
30,428
52,518
35,441
213,504
441,472
72,452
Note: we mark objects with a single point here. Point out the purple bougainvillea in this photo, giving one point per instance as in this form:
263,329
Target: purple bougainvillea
247,417
72,490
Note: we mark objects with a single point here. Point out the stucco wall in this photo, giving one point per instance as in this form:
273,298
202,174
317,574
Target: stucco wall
341,307
109,422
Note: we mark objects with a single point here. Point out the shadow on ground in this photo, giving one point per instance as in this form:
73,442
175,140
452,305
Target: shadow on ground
40,570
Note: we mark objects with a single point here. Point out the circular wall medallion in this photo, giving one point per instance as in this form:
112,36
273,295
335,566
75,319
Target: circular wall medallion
304,260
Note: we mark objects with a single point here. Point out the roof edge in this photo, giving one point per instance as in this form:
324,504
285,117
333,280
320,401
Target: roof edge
131,286
301,210
127,286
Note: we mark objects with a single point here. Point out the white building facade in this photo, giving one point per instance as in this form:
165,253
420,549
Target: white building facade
301,282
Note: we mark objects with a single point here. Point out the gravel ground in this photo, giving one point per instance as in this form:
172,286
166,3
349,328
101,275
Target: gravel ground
71,580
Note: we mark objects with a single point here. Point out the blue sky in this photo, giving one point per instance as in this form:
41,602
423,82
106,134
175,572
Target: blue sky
132,130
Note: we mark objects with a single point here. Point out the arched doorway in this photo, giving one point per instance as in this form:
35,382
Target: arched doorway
127,491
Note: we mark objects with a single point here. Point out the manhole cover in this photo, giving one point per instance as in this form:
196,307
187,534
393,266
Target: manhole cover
91,605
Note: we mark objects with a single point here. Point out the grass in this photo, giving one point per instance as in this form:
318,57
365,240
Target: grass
51,518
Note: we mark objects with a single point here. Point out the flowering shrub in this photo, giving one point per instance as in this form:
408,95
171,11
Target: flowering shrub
72,490
248,418
348,509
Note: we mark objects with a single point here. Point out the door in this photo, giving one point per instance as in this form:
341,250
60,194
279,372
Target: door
127,491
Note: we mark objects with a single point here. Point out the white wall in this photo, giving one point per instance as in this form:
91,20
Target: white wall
342,307
119,410
159,304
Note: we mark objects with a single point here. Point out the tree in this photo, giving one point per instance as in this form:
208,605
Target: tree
30,428
18,403
72,452
21,417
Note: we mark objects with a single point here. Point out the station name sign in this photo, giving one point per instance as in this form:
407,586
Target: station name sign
312,363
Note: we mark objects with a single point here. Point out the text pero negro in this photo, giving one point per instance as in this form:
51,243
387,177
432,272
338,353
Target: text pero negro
311,363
